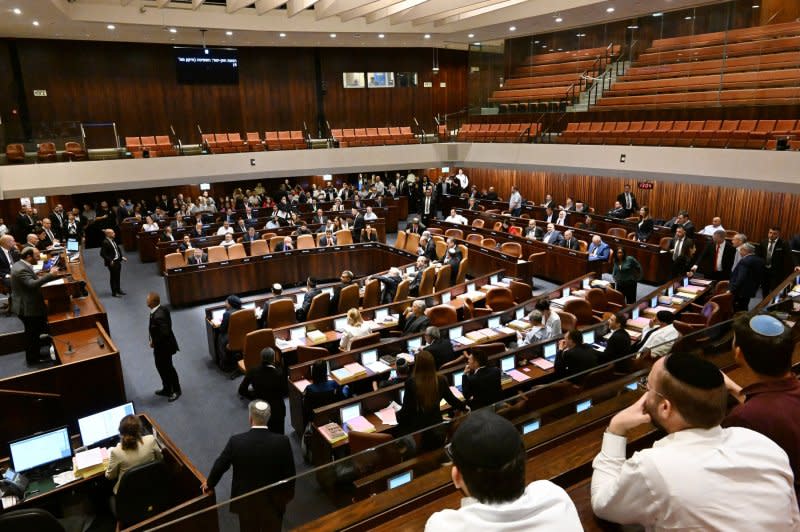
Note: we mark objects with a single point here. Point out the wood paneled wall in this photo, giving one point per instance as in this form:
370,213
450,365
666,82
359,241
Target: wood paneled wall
746,210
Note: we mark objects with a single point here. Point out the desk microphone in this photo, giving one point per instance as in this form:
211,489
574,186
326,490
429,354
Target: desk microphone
68,343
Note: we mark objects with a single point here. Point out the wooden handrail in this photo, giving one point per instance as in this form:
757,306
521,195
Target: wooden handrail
34,395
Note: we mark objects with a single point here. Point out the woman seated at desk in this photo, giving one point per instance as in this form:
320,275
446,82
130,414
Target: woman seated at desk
354,328
322,390
132,450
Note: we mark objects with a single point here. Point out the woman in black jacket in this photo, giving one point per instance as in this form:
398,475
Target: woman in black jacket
645,227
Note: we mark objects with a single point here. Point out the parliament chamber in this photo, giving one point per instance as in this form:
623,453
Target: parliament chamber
360,200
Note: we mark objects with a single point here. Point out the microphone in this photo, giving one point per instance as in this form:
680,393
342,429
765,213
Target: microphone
67,343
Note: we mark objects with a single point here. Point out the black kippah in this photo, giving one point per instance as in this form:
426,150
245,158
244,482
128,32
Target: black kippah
694,371
665,316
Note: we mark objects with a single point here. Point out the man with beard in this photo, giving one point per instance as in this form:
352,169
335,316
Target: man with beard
700,476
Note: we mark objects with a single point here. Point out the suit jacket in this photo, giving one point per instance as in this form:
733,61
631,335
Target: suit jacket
259,458
282,247
572,243
319,219
337,290
442,351
556,238
24,226
413,324
58,223
389,287
246,238
575,360
550,219
430,250
618,213
747,276
418,229
108,253
268,384
687,243
323,241
644,229
359,223
618,345
302,312
705,262
194,233
27,300
536,234
161,335
778,253
634,203
602,252
5,266
413,285
165,238
193,259
483,387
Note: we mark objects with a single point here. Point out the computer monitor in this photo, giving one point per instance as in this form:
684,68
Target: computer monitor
41,449
671,291
635,314
251,305
471,287
633,386
445,298
299,298
369,357
566,292
550,351
381,314
531,426
297,333
456,332
507,363
685,281
103,425
654,302
414,343
583,406
493,322
73,246
520,313
588,337
398,480
339,323
411,270
494,279
349,412
458,378
328,290
402,396
586,284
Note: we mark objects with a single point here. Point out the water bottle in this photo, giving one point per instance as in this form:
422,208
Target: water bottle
76,311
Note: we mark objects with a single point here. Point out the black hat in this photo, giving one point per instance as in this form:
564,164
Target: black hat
694,371
665,316
234,301
485,440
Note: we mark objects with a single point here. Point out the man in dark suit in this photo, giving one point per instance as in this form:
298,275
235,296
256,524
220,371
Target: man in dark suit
682,220
164,345
628,201
250,235
413,285
618,211
679,246
358,224
452,257
619,343
415,227
574,357
390,282
552,236
347,279
773,251
241,226
311,292
570,241
166,235
550,216
198,257
319,218
327,240
73,227
122,211
48,237
533,231
113,259
268,384
548,201
25,223
186,244
259,458
716,260
746,277
481,382
286,245
198,231
440,348
8,256
413,319
428,205
58,221
28,302
427,247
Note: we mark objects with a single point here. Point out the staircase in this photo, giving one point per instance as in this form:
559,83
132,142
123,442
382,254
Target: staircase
602,83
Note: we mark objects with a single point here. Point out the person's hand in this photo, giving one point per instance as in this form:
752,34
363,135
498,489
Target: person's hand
629,418
562,344
734,389
205,487
690,274
54,270
124,259
797,268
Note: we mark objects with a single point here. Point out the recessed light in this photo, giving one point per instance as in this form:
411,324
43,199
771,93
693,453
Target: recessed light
580,35
658,14
477,44
471,35
35,22
559,19
633,27
229,33
427,35
381,36
560,49
610,10
688,17
17,11
282,35
544,46
755,6
333,35
512,28
111,27
173,30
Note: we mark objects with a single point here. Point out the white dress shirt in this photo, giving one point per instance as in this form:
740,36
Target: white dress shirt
710,230
697,479
369,216
553,325
456,219
660,342
225,230
150,227
561,220
543,506
515,201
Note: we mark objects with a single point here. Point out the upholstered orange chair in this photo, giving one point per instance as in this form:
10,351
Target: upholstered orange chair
582,310
363,341
47,153
319,306
281,313
74,151
307,354
442,315
427,280
241,323
254,343
372,294
511,248
348,298
443,278
568,320
15,153
522,291
498,298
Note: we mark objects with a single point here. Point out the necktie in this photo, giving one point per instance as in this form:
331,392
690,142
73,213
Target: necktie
716,260
116,249
628,201
72,228
51,236
677,253
770,249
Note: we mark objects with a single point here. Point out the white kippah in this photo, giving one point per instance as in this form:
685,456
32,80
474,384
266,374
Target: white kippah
261,405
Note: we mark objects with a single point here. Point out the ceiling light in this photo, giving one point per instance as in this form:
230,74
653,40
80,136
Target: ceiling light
755,6
333,35
111,27
477,44
427,35
633,27
17,11
610,10
282,35
229,33
535,42
512,28
658,14
580,35
688,17
381,36
173,30
471,35
35,22
559,19
560,49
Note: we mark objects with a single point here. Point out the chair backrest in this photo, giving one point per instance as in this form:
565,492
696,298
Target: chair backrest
618,232
499,298
144,491
361,441
281,313
464,250
474,238
343,237
427,280
597,299
241,323
598,377
400,242
319,306
725,303
47,147
721,287
498,226
454,233
463,266
367,339
307,354
489,243
511,248
348,298
583,246
258,247
478,222
441,248
442,278
173,260
254,343
274,241
522,291
568,320
268,236
490,348
217,253
402,291
442,315
614,296
664,243
581,309
73,146
236,251
372,294
305,242
412,242
29,519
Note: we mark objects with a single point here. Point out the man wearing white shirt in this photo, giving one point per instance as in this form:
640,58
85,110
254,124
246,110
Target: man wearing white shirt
488,458
738,240
716,225
515,202
369,215
537,331
455,218
562,217
700,476
225,229
660,342
463,180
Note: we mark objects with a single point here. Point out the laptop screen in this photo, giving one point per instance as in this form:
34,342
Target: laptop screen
445,298
550,351
531,426
369,357
566,292
583,406
494,279
507,363
297,333
455,332
520,313
381,314
349,412
72,245
414,343
398,480
458,377
339,323
471,287
494,322
588,337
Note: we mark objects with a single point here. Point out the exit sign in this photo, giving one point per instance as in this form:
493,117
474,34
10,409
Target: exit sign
645,185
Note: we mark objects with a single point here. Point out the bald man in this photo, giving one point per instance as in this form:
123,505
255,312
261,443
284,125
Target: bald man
113,259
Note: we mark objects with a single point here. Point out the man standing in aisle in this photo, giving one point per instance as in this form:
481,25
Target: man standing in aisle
113,259
515,202
28,302
164,345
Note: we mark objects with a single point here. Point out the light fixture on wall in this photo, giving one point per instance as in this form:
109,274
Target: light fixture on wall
203,39
435,67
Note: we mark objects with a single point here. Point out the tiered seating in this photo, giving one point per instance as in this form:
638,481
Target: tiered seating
224,143
752,66
497,132
373,136
285,140
546,78
157,146
755,134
